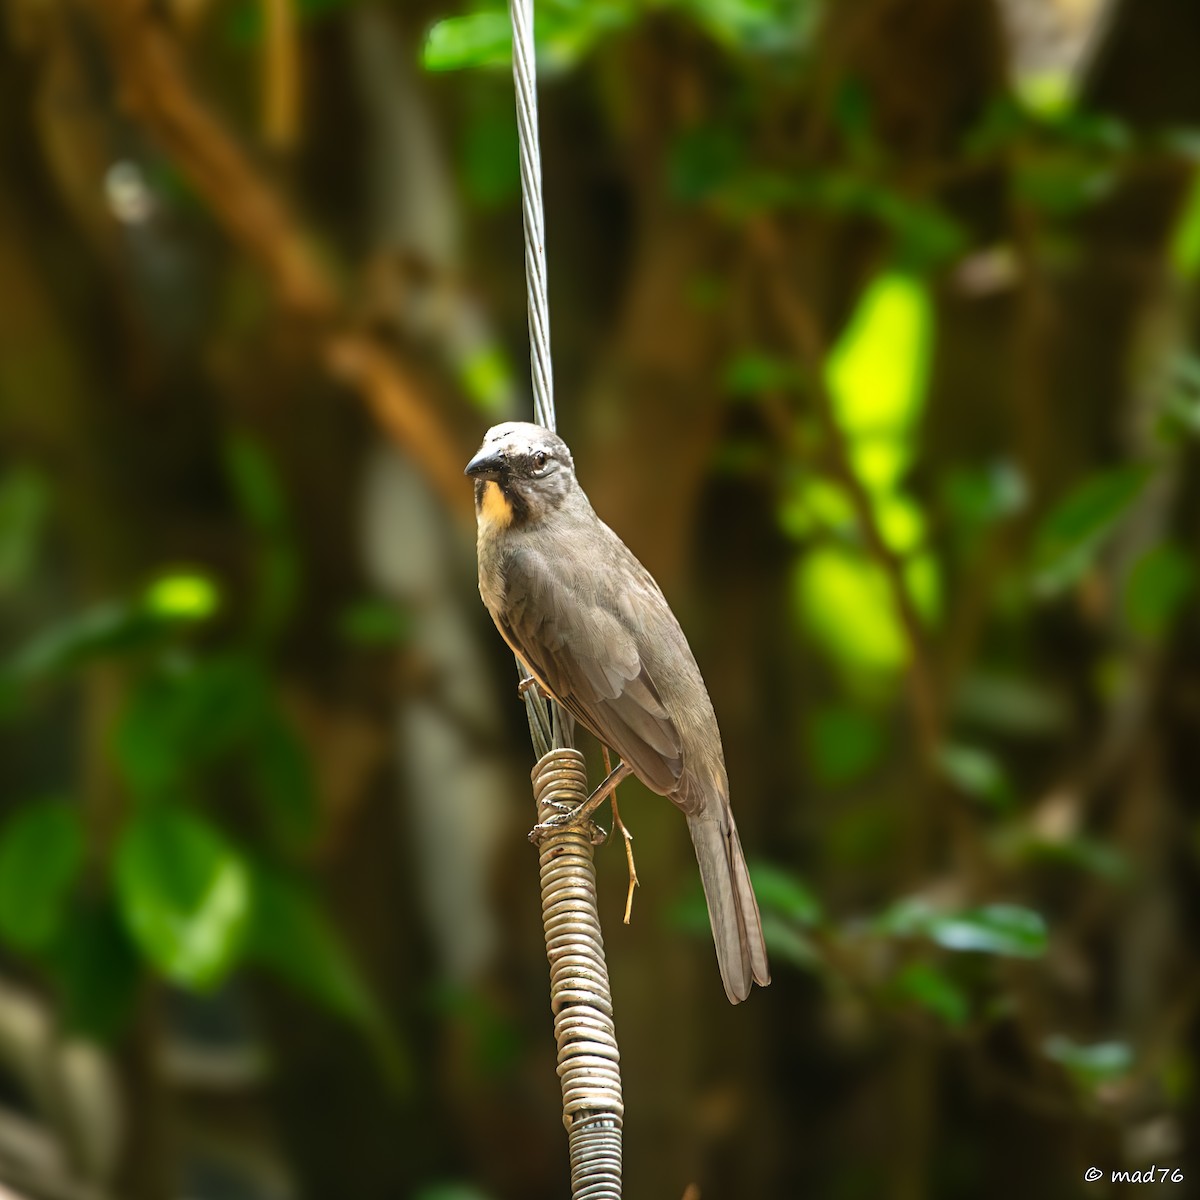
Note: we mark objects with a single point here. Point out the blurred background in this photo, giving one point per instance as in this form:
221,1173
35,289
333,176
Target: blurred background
874,333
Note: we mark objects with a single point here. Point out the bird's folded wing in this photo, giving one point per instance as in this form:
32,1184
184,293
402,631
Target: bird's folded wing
583,650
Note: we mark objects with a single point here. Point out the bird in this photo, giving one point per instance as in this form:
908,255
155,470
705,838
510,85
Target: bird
595,631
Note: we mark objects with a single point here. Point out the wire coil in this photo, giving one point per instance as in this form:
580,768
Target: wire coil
588,1057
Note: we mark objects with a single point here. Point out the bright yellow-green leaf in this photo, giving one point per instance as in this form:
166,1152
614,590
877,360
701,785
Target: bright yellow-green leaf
183,596
901,522
878,370
848,608
1184,251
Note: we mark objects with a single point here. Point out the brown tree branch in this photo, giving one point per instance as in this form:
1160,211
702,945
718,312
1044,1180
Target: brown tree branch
154,90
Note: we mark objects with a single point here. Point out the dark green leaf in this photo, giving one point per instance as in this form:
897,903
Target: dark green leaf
1086,854
373,622
291,936
842,744
96,971
108,629
24,501
284,783
1161,580
1010,705
176,722
976,773
981,496
1002,929
785,943
490,164
255,484
184,895
452,1191
1090,1065
41,854
752,373
1074,532
756,26
783,893
935,991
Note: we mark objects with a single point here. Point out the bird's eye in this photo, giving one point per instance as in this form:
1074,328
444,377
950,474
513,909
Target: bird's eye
539,459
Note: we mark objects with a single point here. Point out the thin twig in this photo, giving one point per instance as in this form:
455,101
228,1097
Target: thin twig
634,882
281,75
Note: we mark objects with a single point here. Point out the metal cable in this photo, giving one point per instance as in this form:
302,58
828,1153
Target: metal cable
580,998
520,13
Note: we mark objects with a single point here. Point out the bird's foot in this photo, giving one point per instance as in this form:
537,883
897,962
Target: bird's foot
527,683
574,816
566,818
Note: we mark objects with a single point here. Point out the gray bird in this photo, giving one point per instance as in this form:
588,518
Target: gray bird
595,631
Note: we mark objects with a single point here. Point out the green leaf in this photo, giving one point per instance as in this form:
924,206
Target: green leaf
482,39
1099,858
1074,532
452,1191
261,498
1010,705
933,990
24,502
291,936
786,943
1002,929
781,892
41,854
183,596
846,603
978,497
115,628
184,894
976,773
107,629
1090,1065
756,26
284,783
1184,252
373,622
878,372
842,744
176,722
1159,583
752,373
255,484
96,971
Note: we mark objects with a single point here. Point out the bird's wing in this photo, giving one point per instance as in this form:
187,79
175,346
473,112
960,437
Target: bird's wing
585,653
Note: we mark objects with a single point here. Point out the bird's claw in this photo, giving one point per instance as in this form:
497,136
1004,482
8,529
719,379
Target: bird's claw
565,819
527,683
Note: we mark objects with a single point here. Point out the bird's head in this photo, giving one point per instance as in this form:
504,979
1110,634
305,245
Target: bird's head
522,474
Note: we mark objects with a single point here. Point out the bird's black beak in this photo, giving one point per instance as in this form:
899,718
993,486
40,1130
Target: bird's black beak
485,465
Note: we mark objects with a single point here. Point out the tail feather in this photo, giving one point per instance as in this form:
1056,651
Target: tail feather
732,907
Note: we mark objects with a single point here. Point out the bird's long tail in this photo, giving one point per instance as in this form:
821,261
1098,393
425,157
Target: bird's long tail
732,907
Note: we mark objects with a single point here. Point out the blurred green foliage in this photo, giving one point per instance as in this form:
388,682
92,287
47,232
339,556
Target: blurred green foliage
175,892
